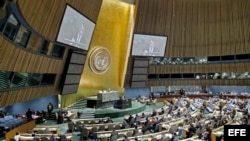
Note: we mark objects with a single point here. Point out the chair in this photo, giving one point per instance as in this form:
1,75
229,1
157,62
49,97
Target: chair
147,132
154,139
93,133
44,139
92,122
101,128
167,139
85,134
71,127
173,129
121,135
86,122
113,138
12,139
40,132
36,139
78,125
104,139
129,134
117,127
110,127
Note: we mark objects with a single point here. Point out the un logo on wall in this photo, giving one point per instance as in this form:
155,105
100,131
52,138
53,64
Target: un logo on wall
99,60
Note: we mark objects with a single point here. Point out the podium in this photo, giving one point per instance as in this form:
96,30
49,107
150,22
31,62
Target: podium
103,100
123,104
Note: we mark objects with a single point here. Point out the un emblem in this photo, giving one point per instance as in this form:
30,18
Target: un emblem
99,60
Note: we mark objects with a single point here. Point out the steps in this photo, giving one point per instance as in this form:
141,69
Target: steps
85,115
52,117
78,105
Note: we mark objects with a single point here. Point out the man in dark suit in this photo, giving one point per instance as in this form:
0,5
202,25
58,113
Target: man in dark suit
151,49
78,37
50,108
29,115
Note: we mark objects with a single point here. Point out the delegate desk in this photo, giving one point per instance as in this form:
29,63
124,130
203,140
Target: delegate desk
201,95
149,137
123,104
194,138
22,128
90,121
28,137
234,96
218,132
115,125
41,129
177,121
107,134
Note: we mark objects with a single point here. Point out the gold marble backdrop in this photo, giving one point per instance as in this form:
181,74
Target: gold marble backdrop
113,31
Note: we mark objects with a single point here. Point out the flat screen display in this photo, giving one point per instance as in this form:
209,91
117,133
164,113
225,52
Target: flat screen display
149,45
76,30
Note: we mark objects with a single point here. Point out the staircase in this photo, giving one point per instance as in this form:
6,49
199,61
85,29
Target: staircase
52,117
85,115
79,106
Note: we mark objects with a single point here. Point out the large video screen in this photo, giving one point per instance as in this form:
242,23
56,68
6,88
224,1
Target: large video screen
76,30
149,45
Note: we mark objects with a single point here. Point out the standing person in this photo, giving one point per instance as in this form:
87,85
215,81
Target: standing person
17,136
50,108
151,49
78,37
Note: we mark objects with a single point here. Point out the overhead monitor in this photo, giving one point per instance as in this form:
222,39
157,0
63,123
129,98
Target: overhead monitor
149,45
76,30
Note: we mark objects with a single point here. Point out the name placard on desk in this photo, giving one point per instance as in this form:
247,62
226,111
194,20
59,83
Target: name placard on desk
236,132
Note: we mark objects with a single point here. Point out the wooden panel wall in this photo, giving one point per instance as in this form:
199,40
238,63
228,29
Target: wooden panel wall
198,82
203,68
197,28
20,95
21,60
46,15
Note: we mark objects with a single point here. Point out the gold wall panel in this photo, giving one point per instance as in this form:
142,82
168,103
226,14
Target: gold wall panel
111,32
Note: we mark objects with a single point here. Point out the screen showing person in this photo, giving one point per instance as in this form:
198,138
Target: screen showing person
77,37
149,45
76,30
151,48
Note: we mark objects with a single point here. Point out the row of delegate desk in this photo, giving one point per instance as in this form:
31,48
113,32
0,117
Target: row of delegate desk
39,132
202,95
158,135
165,97
162,131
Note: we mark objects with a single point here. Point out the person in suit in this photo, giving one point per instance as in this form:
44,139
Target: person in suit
50,108
29,114
78,37
151,49
114,133
17,136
